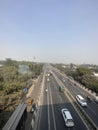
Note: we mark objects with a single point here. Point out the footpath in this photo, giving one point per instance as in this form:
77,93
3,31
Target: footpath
34,93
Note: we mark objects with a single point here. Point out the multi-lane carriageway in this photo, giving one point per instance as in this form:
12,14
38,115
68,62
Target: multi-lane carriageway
50,117
92,107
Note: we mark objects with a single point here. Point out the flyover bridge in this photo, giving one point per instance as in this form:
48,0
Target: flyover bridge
18,119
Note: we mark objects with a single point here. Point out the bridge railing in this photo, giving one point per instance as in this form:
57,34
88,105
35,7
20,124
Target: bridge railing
18,118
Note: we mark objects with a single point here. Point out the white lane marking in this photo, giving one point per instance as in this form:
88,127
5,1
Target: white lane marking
83,93
76,110
52,109
48,109
59,82
60,98
37,125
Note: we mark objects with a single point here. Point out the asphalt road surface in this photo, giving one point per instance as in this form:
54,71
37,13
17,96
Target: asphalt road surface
92,107
50,117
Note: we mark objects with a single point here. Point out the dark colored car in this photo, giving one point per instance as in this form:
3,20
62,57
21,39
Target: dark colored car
33,108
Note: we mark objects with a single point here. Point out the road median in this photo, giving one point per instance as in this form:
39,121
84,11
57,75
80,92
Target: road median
88,122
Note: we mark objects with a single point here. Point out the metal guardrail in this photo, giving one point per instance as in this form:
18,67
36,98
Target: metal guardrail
18,118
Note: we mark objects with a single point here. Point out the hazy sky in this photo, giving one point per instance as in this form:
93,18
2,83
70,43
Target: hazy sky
51,30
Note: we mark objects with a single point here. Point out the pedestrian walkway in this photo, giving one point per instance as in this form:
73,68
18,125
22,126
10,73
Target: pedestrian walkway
34,93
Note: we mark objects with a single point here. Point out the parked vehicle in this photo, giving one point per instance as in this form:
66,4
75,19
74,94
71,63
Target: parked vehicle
33,108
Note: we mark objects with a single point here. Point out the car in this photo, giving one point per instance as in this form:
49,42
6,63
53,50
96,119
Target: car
46,90
33,108
48,79
61,88
67,117
81,101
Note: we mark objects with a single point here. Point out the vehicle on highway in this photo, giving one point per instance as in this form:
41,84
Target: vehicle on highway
48,79
46,90
61,88
81,101
67,117
34,107
48,74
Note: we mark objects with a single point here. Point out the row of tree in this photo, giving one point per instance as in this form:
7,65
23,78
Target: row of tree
10,78
86,77
12,83
83,75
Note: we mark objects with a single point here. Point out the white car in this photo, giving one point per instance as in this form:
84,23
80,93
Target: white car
67,117
46,90
81,101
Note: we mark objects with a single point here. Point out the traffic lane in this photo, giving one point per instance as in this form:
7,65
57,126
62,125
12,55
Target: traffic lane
76,90
56,105
91,109
28,121
85,94
60,101
43,120
51,125
77,120
46,117
68,83
68,105
91,104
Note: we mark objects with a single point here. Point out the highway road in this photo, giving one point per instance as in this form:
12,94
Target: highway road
92,108
50,117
